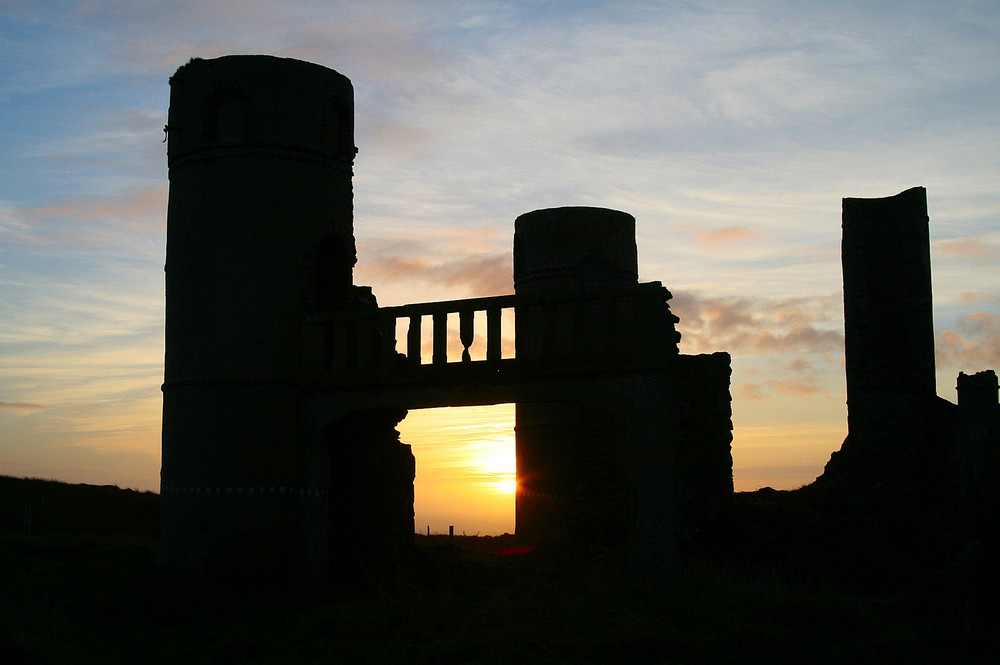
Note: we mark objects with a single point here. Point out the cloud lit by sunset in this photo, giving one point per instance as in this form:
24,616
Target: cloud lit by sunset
731,131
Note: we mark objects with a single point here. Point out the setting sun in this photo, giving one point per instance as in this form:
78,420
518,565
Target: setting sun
465,468
495,460
506,486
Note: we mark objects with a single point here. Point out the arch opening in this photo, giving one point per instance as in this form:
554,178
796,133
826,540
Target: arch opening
465,468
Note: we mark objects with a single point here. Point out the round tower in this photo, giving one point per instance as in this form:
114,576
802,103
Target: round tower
574,249
259,234
565,447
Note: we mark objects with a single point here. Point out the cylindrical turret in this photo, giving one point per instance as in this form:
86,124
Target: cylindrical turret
574,249
565,449
259,233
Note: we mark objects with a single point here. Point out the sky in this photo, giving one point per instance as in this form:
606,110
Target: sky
730,130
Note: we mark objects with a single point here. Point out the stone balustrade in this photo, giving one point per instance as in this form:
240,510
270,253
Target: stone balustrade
448,336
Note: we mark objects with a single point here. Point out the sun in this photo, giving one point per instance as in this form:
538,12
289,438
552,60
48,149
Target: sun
505,486
494,458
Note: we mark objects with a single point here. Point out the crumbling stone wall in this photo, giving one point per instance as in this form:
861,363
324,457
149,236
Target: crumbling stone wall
704,455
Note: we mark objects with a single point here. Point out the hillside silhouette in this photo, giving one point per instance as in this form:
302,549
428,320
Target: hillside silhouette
31,506
84,588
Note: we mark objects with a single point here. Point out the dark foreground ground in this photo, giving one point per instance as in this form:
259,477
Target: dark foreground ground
88,591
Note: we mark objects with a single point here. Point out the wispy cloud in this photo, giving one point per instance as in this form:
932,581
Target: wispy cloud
759,325
150,202
476,275
799,366
794,388
376,39
747,391
974,297
713,238
120,221
730,130
801,378
461,263
974,344
21,406
969,248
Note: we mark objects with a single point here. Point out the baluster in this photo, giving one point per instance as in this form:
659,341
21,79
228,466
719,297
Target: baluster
466,332
493,343
413,340
440,333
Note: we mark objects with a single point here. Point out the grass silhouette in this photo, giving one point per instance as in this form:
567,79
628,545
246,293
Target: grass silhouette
70,596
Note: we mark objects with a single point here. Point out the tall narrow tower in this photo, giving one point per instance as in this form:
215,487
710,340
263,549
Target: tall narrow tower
260,158
888,313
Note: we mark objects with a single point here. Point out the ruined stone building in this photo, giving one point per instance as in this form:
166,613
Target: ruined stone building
283,381
909,454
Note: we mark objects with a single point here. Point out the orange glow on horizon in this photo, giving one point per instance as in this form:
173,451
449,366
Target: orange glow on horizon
466,462
465,467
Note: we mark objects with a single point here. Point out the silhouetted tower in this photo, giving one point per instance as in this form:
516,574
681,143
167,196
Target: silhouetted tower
259,234
888,318
569,466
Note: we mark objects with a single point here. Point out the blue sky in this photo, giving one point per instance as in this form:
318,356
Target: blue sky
730,130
